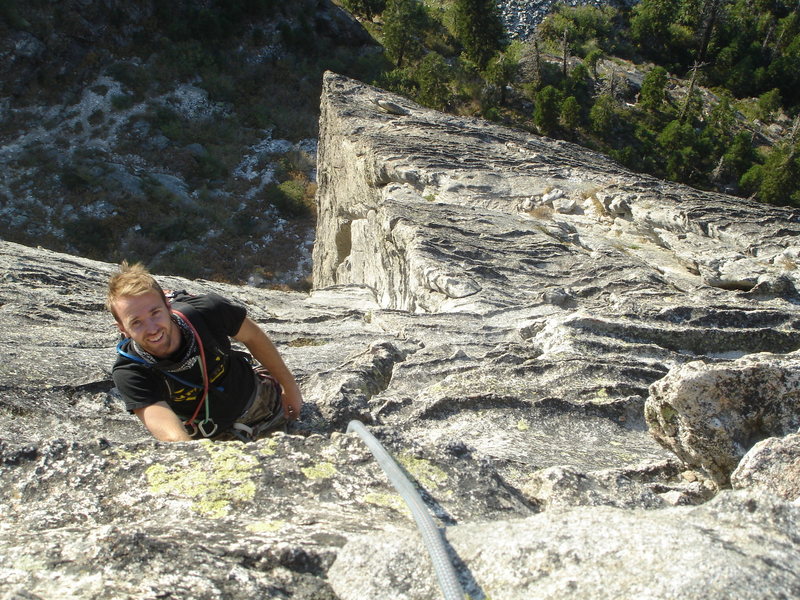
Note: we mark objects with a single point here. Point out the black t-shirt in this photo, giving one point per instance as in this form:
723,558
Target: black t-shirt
230,374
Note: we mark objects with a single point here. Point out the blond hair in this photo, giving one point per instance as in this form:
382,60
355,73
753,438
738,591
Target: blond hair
130,280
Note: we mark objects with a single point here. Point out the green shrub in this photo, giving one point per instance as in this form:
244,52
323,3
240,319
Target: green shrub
769,103
433,75
780,182
211,167
181,261
592,59
400,81
547,109
364,8
96,117
586,27
478,28
653,92
91,236
184,60
403,20
292,198
681,149
75,177
570,113
602,115
751,180
122,101
9,12
134,77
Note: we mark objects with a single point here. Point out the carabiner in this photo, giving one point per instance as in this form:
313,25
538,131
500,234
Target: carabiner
191,428
201,427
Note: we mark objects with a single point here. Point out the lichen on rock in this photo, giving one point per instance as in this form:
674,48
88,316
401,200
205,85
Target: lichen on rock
568,359
213,485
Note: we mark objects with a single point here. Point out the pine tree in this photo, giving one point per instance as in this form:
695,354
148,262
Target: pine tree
780,183
547,109
402,22
478,29
592,59
653,92
740,155
432,75
364,8
711,13
691,100
602,115
502,69
679,144
570,113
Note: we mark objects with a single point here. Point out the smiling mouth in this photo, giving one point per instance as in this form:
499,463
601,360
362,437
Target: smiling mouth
156,339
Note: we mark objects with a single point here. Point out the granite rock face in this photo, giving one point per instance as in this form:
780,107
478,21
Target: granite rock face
772,465
601,553
711,415
501,311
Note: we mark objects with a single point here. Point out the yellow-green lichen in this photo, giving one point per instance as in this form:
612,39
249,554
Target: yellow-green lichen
128,457
29,564
522,425
212,485
266,526
320,470
668,414
267,447
601,396
393,501
305,341
424,471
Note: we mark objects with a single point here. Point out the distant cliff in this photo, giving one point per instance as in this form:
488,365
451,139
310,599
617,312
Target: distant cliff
591,375
180,134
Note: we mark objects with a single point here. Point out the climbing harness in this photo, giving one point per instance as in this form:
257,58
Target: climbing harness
206,427
431,536
274,418
248,433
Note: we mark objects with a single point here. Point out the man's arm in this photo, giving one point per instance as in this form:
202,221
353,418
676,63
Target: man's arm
162,422
265,352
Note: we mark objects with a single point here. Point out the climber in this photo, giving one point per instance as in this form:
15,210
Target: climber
176,369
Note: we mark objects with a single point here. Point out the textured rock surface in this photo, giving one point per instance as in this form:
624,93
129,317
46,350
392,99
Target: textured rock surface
602,553
496,307
772,465
711,415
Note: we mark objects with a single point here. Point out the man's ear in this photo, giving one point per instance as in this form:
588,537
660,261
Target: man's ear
121,328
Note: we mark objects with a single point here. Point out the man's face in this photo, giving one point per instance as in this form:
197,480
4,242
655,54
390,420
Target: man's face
146,319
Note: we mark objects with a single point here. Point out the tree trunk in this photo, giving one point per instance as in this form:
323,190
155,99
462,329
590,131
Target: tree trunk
692,83
537,64
711,9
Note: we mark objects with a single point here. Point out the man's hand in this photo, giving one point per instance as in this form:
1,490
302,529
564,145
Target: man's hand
162,422
264,351
292,401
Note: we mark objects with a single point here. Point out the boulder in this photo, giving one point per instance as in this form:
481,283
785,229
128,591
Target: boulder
711,415
772,465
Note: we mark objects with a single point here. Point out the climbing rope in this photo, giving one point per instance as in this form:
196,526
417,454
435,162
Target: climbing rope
201,425
431,536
